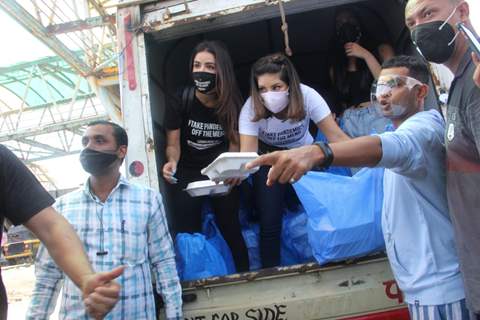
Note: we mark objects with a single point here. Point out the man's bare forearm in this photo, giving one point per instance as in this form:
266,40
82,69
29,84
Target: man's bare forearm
360,152
62,243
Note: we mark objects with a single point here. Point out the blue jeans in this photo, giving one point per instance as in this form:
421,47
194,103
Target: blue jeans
269,206
364,121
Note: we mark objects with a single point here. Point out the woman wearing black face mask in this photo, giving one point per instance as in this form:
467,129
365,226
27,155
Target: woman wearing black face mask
203,125
354,66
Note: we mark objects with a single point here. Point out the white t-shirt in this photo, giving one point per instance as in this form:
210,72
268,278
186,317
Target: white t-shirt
285,133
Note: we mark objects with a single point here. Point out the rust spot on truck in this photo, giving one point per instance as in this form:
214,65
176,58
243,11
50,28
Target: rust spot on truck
276,272
158,22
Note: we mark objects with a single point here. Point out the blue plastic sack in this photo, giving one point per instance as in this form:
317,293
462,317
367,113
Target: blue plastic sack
197,258
215,238
344,213
295,247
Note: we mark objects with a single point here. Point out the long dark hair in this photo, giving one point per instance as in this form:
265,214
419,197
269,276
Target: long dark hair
273,64
229,99
339,60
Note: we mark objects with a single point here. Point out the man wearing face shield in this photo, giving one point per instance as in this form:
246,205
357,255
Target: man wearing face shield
433,26
416,225
120,224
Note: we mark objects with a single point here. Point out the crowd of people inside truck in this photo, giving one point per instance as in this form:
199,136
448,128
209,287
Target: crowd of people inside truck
429,203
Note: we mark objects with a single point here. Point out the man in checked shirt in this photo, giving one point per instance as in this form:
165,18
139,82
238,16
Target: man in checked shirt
119,223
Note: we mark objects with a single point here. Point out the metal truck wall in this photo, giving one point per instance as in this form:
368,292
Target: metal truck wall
358,291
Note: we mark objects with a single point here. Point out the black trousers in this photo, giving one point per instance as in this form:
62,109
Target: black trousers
185,215
269,206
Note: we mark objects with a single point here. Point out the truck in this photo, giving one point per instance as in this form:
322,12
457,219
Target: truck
155,39
21,246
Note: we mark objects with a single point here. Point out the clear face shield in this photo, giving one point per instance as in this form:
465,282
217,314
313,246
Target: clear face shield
382,91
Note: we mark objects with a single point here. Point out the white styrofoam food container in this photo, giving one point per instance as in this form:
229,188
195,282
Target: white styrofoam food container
230,165
206,188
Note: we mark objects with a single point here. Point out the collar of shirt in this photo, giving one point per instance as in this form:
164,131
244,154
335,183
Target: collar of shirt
88,191
462,67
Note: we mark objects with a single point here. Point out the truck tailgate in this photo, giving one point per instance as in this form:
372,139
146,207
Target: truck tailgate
299,292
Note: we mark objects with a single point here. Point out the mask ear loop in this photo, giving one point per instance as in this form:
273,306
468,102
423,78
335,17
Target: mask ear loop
455,37
446,21
448,18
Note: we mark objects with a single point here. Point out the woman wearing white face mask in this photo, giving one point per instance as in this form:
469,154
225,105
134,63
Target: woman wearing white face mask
277,117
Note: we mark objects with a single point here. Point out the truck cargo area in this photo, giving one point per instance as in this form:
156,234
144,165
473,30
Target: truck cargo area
335,291
253,34
250,33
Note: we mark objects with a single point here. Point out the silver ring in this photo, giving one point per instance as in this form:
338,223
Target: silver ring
292,181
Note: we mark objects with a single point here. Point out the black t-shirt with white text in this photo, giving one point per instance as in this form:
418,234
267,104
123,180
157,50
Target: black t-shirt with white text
21,197
202,137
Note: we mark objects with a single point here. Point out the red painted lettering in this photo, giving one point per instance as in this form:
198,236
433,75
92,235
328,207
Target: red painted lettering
395,295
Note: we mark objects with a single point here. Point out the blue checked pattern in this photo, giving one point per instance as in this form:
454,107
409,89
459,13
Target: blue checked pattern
135,235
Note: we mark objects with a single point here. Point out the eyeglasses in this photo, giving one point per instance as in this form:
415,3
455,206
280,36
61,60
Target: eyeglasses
384,85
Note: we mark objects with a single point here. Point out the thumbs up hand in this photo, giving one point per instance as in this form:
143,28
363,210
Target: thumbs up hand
101,292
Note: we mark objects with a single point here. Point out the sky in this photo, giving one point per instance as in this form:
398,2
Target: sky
18,45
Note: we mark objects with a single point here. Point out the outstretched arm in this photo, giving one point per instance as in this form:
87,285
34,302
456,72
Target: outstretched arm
62,243
99,290
403,151
294,163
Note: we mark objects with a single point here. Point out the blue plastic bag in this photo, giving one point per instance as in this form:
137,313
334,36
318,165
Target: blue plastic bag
197,258
215,238
251,234
295,248
344,213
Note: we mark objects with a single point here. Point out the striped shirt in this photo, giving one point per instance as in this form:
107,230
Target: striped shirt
131,227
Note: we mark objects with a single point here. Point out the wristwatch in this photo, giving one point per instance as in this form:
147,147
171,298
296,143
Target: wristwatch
327,152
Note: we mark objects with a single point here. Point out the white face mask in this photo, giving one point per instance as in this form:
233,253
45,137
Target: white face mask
275,101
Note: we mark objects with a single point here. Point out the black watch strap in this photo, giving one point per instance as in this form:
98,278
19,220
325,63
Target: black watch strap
327,152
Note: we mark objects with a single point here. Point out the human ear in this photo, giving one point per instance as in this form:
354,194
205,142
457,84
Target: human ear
122,152
422,91
464,10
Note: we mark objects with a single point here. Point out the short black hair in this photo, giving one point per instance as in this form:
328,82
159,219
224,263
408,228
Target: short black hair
119,133
417,67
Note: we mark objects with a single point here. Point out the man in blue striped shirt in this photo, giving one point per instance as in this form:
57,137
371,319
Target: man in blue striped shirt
119,223
416,224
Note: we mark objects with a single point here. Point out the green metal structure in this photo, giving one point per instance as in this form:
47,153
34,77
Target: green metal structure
43,107
45,104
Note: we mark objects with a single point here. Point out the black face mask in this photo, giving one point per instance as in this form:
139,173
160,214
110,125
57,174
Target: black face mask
204,81
96,162
435,45
348,32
